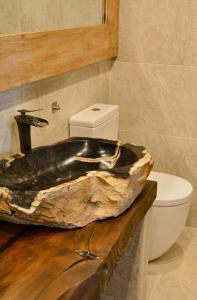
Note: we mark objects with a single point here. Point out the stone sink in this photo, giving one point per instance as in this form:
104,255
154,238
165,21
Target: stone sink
72,183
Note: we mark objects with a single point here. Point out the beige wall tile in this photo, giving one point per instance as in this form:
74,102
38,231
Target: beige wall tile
156,98
175,155
158,31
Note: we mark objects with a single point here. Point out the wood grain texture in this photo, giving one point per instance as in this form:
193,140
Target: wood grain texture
8,233
30,57
44,263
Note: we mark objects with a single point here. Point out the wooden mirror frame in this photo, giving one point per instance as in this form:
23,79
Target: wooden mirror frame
29,57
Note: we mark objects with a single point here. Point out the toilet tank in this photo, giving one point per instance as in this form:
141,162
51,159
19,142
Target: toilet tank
96,121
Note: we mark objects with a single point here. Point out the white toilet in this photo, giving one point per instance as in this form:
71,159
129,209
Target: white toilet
171,207
96,121
169,213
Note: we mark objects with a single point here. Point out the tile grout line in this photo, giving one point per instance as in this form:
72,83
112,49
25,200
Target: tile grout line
157,64
157,134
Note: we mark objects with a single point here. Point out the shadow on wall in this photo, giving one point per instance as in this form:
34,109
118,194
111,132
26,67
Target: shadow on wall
35,90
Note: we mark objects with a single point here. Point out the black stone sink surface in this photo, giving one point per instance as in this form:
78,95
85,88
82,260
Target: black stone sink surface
49,166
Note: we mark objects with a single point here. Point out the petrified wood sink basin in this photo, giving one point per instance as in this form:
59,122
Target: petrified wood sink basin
72,183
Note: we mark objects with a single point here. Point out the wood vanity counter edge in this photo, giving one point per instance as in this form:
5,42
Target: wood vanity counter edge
46,263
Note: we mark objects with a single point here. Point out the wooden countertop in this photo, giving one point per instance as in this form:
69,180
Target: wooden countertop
44,263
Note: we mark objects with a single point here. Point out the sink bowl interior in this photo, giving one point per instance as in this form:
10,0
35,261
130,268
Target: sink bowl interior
48,166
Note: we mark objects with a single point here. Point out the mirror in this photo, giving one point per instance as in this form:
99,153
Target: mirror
24,16
29,57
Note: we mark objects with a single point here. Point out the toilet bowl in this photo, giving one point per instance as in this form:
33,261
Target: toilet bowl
169,213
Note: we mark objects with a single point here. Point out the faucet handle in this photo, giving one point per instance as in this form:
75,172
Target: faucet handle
24,111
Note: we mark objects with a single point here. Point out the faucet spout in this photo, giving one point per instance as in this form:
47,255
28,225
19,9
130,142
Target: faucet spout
24,123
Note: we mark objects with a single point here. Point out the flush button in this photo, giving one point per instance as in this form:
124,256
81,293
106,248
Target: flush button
96,109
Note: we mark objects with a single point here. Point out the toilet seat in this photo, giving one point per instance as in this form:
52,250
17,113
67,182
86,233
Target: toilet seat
172,190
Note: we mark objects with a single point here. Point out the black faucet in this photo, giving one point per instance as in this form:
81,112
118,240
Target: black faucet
24,123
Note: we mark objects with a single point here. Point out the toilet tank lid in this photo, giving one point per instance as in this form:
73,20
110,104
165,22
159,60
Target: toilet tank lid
94,115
